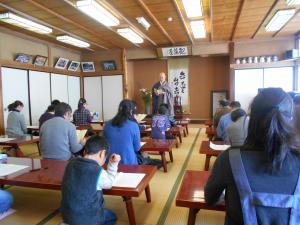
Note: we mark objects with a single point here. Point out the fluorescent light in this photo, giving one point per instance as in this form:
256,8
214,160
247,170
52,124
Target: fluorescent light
72,41
143,22
293,2
130,35
24,23
198,28
280,18
97,12
193,8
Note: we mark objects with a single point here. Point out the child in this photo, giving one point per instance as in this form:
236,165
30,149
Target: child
16,125
83,181
6,201
160,123
82,115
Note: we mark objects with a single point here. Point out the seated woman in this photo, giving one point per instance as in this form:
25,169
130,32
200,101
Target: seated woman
123,134
160,123
262,179
82,115
237,130
16,125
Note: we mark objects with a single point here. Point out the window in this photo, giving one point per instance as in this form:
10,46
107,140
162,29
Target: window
248,81
279,77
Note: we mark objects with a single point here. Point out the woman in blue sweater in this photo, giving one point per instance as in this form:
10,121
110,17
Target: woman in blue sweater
123,134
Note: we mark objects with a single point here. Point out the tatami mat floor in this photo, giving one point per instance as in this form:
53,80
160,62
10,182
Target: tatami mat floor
37,206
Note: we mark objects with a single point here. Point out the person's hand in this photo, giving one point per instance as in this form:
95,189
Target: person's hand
115,158
83,141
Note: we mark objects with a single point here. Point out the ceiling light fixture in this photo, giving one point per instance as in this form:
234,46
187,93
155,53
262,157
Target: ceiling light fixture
130,35
193,8
280,18
198,28
141,20
24,23
97,12
293,2
73,41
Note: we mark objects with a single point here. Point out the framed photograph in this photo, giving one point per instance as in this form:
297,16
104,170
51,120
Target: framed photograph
61,63
40,60
108,65
23,58
88,66
215,97
74,65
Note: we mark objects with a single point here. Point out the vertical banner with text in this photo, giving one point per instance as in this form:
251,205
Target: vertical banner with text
178,77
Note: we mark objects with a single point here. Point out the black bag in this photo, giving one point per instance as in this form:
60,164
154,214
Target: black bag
142,160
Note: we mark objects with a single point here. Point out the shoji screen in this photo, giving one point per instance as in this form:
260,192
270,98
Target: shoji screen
59,87
279,77
73,91
247,83
93,94
112,95
39,83
15,87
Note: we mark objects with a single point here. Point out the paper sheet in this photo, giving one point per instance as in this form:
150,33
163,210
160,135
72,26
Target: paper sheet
140,117
218,147
8,169
32,127
143,143
199,194
128,180
3,139
148,129
80,134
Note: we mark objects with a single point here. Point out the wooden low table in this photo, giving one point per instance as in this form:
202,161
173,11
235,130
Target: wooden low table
22,140
85,127
209,123
160,146
176,131
205,149
180,116
51,173
188,194
210,132
185,124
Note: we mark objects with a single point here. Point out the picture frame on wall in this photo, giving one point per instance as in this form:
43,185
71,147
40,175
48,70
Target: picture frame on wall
108,65
23,58
74,65
61,63
40,60
87,66
215,97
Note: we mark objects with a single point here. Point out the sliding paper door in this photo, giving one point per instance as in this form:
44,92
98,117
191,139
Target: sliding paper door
112,95
93,94
40,99
15,87
73,91
59,87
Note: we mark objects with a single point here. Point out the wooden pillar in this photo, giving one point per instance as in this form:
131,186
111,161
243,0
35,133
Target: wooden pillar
231,72
125,76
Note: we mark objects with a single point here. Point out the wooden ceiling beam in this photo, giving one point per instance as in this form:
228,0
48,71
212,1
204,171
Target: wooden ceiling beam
183,22
71,3
241,7
46,24
129,23
277,32
42,7
264,19
157,23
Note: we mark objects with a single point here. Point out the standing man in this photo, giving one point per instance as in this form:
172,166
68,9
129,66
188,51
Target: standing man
162,93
